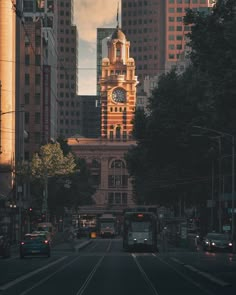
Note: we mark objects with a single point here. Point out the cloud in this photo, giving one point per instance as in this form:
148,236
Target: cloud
92,14
88,16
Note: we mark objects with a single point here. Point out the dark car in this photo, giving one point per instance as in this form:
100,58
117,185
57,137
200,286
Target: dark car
217,241
35,244
5,246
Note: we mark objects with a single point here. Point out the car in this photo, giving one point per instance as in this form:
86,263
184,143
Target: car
46,233
217,241
5,246
35,244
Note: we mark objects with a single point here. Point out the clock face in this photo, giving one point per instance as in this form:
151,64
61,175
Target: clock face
119,95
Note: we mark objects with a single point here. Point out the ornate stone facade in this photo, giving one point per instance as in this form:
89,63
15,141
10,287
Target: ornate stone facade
106,155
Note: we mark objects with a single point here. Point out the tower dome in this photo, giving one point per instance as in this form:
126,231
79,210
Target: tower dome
118,34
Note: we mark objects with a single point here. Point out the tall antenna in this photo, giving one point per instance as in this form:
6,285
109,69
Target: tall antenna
117,15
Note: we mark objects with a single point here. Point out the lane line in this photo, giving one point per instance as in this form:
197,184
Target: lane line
149,283
108,247
48,277
28,275
90,276
184,276
203,273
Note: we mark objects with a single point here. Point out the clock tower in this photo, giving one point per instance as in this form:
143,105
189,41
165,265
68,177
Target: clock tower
118,89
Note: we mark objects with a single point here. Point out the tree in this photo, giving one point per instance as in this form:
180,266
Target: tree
172,160
50,163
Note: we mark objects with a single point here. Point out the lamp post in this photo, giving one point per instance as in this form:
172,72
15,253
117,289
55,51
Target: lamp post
218,138
223,134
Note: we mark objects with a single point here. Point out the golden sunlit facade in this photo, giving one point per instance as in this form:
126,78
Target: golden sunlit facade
7,94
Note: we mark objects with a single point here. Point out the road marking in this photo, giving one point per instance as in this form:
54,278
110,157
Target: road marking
202,273
90,276
28,275
108,247
149,283
184,276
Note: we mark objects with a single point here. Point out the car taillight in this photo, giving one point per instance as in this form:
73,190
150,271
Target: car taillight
46,242
22,243
230,244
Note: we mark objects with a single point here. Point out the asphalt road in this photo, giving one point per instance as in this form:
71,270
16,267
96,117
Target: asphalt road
103,268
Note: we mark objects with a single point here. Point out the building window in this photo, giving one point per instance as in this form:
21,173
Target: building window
110,198
37,60
124,198
27,59
37,118
37,137
37,79
118,133
27,79
26,117
117,198
27,98
37,99
37,41
117,164
27,41
118,52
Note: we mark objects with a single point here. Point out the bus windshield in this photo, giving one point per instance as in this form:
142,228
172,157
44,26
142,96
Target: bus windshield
107,224
137,226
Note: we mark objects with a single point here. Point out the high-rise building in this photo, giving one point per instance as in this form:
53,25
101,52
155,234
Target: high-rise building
176,31
7,98
89,115
36,74
67,42
141,21
157,34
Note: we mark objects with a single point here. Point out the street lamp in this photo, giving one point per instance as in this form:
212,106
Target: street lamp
218,138
223,134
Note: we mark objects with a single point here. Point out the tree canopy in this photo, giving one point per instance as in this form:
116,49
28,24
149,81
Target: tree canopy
168,161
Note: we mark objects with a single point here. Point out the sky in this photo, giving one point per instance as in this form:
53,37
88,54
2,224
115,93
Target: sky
88,16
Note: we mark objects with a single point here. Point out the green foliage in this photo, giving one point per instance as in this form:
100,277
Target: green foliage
67,177
168,163
50,161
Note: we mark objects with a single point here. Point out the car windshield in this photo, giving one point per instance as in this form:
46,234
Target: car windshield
35,237
217,236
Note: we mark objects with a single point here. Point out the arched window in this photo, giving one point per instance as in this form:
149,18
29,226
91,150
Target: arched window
118,133
117,164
